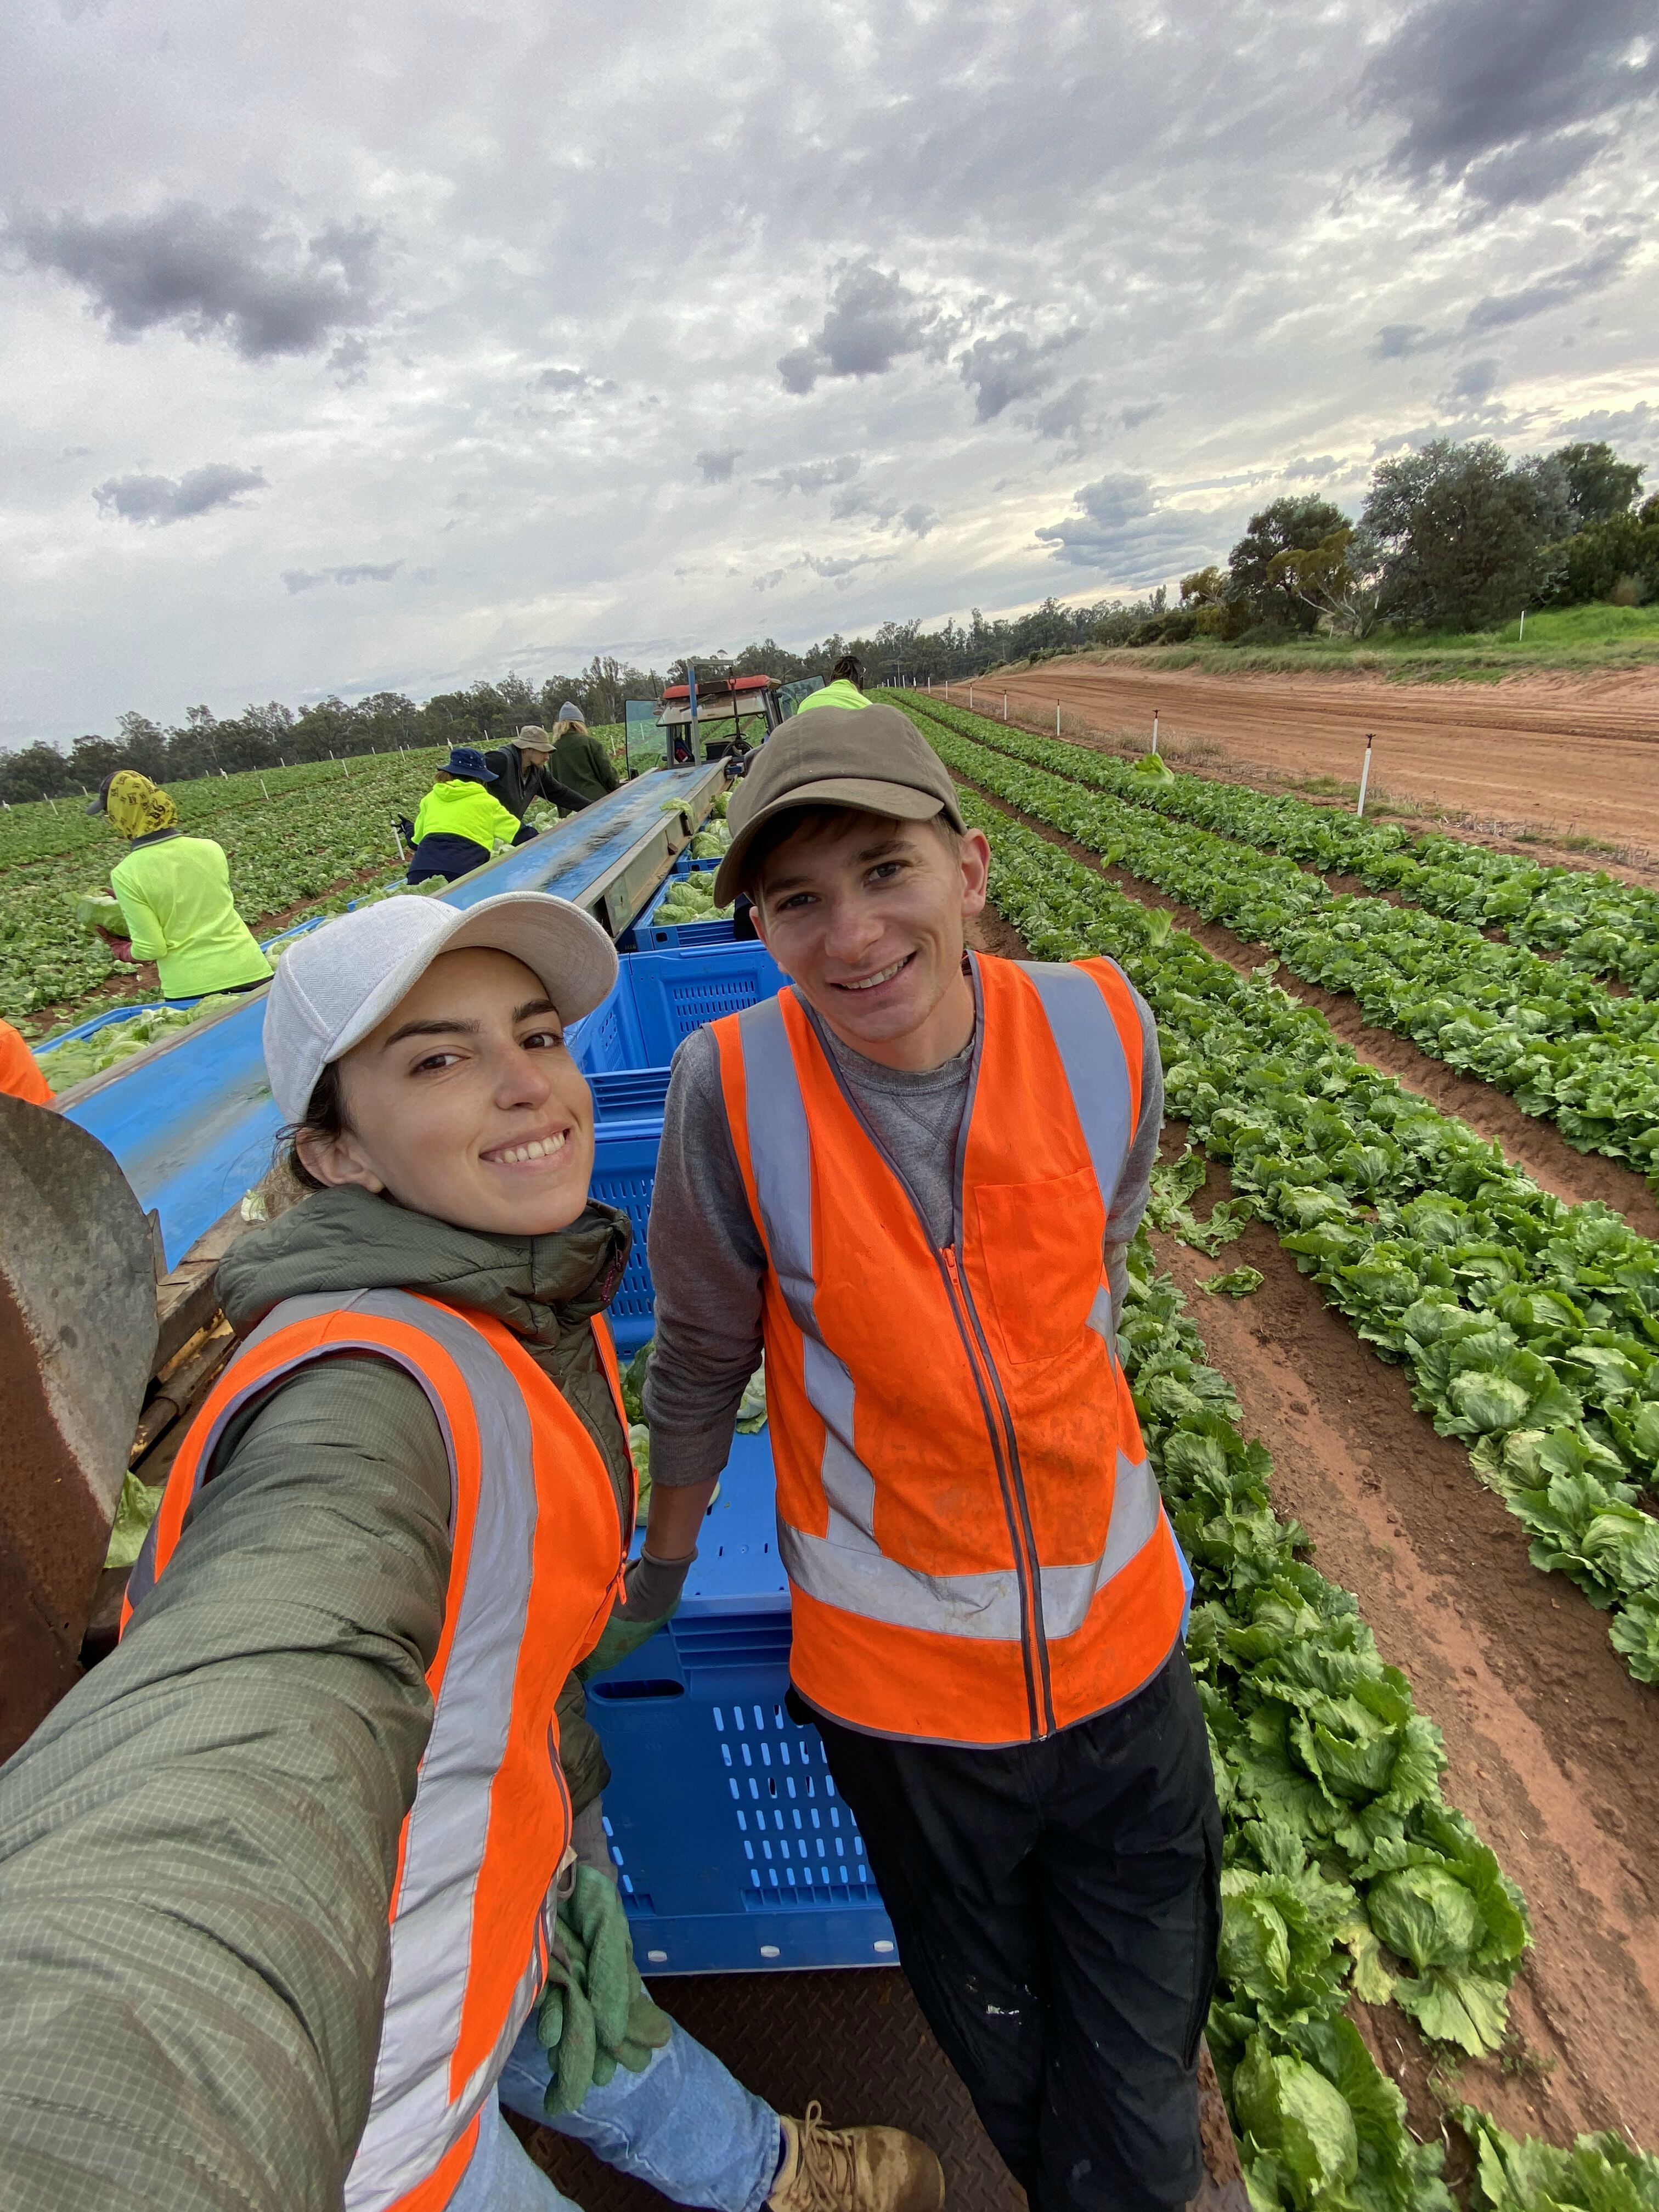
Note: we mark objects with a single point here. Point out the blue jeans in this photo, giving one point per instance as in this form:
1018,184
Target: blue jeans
684,2124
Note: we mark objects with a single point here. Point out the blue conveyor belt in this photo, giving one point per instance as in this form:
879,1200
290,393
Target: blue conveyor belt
193,1122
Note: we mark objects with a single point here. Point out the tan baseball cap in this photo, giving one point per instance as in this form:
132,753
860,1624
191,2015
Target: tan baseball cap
871,758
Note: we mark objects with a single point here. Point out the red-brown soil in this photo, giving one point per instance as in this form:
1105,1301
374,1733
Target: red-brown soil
1571,755
1553,1750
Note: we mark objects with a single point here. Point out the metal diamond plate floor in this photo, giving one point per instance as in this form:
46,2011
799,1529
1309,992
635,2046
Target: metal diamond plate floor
855,2041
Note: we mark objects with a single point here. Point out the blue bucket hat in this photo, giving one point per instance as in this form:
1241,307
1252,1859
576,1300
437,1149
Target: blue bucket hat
468,763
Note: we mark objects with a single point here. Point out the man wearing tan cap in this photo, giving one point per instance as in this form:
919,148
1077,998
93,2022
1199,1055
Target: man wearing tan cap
911,1179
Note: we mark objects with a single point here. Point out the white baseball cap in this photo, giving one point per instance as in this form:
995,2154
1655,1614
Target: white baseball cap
337,983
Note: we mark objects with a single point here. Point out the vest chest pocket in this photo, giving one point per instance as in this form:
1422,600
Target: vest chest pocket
1040,1247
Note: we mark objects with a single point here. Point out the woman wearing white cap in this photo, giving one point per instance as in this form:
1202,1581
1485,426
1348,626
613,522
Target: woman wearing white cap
296,1846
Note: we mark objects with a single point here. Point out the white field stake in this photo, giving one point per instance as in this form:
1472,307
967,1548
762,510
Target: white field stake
261,786
971,695
1056,718
1364,775
1004,706
402,857
1155,732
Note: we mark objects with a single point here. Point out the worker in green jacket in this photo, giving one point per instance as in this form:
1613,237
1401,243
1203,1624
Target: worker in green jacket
578,758
460,821
844,689
174,895
199,1845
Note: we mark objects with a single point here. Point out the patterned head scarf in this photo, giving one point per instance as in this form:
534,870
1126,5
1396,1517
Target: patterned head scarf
136,806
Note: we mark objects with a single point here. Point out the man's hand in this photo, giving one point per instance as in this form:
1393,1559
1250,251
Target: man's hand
651,1595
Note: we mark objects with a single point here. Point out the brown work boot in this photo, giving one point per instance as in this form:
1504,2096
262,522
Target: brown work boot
854,2170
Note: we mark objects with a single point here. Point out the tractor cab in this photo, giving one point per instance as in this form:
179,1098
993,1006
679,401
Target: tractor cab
723,714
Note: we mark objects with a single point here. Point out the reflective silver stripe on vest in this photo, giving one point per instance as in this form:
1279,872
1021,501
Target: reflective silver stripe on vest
412,2121
781,1152
1082,1022
984,1605
845,1567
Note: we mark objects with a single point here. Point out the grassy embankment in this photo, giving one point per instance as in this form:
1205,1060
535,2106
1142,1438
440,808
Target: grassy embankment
1569,638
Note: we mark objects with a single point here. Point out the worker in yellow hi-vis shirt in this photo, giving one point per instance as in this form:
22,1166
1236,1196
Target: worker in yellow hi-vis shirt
174,893
461,822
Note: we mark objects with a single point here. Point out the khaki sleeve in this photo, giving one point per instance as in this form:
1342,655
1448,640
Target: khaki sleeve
197,1846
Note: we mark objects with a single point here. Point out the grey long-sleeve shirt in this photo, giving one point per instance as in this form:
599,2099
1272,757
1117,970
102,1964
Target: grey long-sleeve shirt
708,1262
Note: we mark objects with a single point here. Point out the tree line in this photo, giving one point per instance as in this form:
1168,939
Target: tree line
490,712
1454,536
1450,537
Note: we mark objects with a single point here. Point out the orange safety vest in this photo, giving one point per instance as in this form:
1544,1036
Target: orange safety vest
977,1549
537,1558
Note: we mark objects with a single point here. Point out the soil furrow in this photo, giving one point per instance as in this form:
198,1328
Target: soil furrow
1553,1748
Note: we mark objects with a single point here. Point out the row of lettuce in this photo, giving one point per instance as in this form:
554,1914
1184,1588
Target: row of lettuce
1346,1874
1530,1327
1593,922
1565,1046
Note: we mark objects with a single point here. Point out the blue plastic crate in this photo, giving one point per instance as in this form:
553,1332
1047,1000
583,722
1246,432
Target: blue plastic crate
652,937
733,1849
676,991
645,934
629,1094
624,1168
662,997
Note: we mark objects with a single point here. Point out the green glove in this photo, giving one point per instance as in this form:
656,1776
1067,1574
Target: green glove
651,1595
594,2014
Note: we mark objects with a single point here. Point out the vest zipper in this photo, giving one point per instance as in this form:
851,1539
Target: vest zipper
1039,1691
1004,1449
1011,1504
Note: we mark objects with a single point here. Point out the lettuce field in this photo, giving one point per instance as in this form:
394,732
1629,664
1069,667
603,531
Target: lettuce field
1430,1742
299,840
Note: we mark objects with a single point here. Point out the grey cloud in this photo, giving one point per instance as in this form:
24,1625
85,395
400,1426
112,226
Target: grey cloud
1497,92
1523,174
809,477
1400,340
919,519
716,466
573,383
1321,466
361,572
1134,412
1112,500
1627,426
1556,287
161,500
233,276
1124,534
1476,381
873,319
1066,414
999,370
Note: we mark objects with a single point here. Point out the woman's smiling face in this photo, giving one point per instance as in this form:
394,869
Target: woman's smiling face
464,1104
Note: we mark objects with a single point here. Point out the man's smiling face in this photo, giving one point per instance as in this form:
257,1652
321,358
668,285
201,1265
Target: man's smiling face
865,917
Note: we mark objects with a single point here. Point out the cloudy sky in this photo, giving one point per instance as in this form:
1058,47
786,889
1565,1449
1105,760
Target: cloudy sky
352,344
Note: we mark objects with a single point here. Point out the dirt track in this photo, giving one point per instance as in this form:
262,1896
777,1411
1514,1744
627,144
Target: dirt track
1568,754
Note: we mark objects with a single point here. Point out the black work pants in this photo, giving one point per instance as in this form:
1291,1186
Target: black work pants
1057,1907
